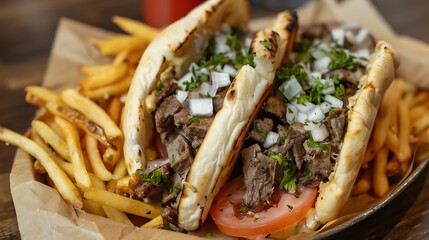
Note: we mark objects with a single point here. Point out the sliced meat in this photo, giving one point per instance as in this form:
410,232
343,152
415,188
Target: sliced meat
147,188
261,127
182,117
276,107
336,123
164,115
259,177
196,131
165,92
318,161
170,215
344,75
218,100
297,135
350,91
180,154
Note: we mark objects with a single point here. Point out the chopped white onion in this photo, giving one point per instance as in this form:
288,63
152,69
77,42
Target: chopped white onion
192,67
220,79
291,113
317,53
181,96
231,55
363,55
360,37
319,133
329,86
185,78
221,46
201,107
313,76
291,88
335,102
338,35
207,89
301,117
350,25
350,36
316,114
247,41
303,107
321,65
271,139
325,107
230,70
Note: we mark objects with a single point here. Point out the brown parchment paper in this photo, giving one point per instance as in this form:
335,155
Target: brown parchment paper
43,214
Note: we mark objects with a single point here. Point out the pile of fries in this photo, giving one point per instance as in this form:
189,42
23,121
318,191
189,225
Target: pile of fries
401,125
76,137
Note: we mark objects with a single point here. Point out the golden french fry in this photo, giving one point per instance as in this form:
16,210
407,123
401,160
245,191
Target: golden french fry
38,167
404,132
136,28
364,183
380,180
76,155
393,166
80,120
114,109
123,184
111,212
124,204
121,57
112,75
392,143
93,70
157,222
421,124
94,113
119,172
118,43
385,115
93,207
66,166
39,95
134,57
420,99
107,91
111,156
94,157
417,112
52,138
64,185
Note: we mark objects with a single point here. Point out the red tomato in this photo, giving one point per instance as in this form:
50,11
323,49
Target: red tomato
225,211
161,149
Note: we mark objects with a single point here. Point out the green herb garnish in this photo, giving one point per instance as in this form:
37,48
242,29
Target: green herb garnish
307,172
302,48
208,235
156,177
214,61
241,60
314,144
280,158
193,119
243,208
290,207
341,60
286,72
260,132
266,44
139,171
289,181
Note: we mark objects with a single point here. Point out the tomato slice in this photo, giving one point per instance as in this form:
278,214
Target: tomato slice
225,211
161,149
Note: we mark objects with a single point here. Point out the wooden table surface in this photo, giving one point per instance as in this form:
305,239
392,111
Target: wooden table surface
26,33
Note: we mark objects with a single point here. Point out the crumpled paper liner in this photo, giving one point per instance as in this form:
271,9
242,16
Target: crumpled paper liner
43,214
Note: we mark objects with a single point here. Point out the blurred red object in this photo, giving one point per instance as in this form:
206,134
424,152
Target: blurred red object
160,13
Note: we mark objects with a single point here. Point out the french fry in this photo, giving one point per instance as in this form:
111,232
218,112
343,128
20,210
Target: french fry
136,28
38,167
94,157
111,156
118,43
112,75
157,222
404,133
114,89
39,96
93,207
123,184
111,213
393,167
421,124
76,155
119,172
114,110
93,70
94,113
124,204
80,120
63,183
51,138
392,143
364,183
66,166
380,180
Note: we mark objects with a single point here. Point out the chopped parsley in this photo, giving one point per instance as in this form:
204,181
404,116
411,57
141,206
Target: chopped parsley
266,44
243,59
243,208
193,119
208,235
214,61
286,72
173,159
289,180
156,177
282,139
314,144
139,171
307,172
290,207
280,158
341,60
302,48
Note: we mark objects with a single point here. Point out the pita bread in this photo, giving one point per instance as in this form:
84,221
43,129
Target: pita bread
168,56
363,106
